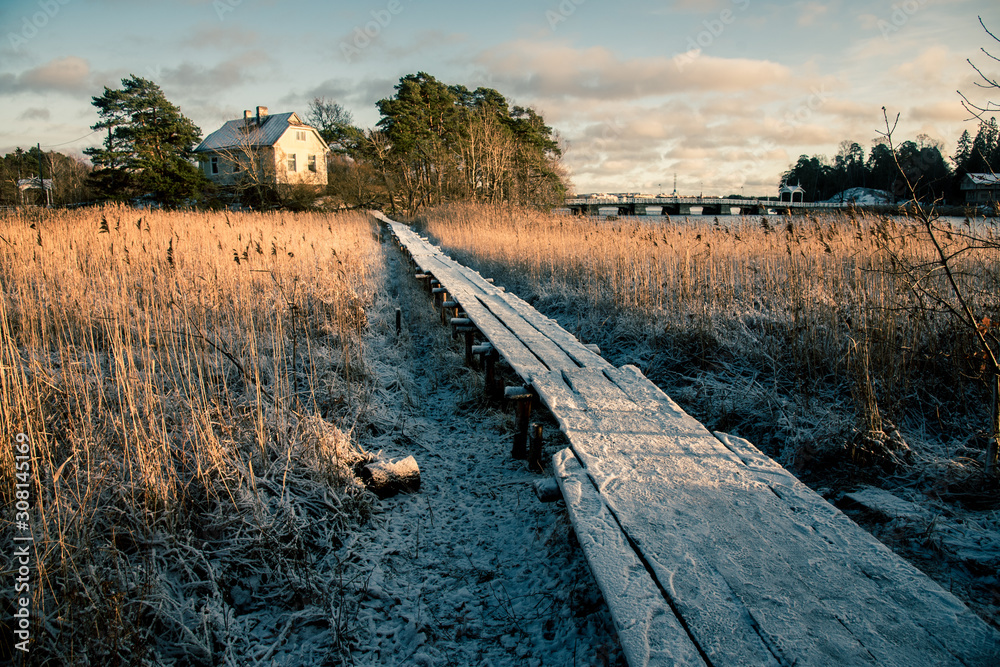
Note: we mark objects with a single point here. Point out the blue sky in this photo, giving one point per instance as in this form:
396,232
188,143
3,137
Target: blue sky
724,93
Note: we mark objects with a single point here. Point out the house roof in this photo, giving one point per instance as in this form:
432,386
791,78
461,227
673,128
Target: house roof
977,181
245,132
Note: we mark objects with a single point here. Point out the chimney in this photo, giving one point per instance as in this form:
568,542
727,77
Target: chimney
261,114
247,114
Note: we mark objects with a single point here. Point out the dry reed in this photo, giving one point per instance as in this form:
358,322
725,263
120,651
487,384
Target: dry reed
188,383
794,331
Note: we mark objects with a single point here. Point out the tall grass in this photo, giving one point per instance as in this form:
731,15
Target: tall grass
794,331
188,383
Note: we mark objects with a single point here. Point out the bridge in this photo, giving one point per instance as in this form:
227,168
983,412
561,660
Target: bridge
708,553
683,205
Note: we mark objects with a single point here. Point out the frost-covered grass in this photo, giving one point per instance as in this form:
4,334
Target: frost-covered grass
189,384
794,332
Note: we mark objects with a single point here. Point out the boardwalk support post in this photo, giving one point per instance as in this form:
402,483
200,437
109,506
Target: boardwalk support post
535,451
522,398
489,355
440,294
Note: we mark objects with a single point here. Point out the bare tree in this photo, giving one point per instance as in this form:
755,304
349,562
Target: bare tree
986,82
946,282
247,168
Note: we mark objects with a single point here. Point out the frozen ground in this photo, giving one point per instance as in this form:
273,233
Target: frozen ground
473,569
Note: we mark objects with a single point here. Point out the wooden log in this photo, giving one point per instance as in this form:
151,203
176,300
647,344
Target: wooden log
387,478
547,489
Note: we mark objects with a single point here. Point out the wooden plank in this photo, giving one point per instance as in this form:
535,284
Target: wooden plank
820,592
570,344
649,632
960,632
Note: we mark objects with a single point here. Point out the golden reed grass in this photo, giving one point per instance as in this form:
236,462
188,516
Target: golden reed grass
812,303
163,365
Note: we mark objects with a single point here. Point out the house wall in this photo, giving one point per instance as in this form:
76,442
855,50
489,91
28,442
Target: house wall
302,149
982,195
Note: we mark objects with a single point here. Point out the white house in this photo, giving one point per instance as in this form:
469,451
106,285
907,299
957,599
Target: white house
981,188
260,148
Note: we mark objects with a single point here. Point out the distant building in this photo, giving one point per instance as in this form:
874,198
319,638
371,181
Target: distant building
265,149
788,192
981,188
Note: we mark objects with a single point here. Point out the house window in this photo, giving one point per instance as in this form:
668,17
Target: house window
215,165
291,162
300,135
312,163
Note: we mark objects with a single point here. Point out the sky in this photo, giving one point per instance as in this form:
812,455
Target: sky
724,94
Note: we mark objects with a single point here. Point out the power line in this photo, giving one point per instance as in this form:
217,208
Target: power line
72,140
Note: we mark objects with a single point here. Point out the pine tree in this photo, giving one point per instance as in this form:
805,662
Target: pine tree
148,148
963,153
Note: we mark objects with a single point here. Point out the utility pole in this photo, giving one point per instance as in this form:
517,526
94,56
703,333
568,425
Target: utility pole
41,181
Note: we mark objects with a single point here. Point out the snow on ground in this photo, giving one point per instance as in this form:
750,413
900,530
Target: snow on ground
473,569
864,196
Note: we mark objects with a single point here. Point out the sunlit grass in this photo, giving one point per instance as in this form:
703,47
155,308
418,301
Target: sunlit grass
165,365
792,309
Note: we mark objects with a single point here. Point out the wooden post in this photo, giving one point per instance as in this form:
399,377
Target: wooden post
522,406
449,307
399,322
535,452
469,336
457,324
491,373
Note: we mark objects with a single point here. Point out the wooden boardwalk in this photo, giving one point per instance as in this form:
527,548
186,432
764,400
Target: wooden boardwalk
707,552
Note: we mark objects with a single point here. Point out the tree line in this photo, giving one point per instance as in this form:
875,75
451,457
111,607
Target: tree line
436,143
884,168
433,143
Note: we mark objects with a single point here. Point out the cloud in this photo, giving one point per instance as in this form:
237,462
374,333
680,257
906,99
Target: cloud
934,66
216,37
63,75
811,12
950,111
34,113
247,67
538,68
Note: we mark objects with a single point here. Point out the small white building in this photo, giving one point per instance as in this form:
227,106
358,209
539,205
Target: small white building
788,193
267,149
981,188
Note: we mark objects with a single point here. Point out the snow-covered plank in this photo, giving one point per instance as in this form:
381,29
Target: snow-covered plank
959,636
887,505
649,632
570,344
818,590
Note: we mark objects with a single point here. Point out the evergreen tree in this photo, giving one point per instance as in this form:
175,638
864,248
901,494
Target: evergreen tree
438,142
148,148
963,153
